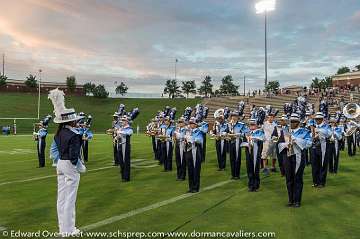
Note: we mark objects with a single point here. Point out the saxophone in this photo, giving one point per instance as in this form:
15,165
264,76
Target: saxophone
290,151
231,135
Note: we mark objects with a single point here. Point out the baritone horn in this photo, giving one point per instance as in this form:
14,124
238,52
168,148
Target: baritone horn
351,110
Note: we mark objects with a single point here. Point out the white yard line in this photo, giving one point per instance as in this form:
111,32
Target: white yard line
145,166
51,176
120,217
36,160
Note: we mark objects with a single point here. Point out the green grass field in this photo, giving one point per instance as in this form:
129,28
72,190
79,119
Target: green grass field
25,106
331,212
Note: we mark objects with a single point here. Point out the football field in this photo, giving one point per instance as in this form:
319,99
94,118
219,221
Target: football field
153,201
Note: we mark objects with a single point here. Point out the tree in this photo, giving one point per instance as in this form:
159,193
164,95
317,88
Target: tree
326,82
89,88
171,88
188,87
315,83
343,70
357,67
321,83
71,83
121,89
3,80
272,86
31,81
227,86
100,92
206,87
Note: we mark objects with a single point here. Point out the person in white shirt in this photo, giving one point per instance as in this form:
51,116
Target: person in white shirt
269,147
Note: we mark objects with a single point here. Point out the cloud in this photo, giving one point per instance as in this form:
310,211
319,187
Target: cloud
138,41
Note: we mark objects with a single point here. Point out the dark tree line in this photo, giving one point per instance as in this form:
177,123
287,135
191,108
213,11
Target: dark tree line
227,87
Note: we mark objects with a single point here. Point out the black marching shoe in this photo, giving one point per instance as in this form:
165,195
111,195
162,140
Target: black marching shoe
297,204
290,204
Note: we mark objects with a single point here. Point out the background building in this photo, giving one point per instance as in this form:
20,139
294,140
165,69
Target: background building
347,79
19,86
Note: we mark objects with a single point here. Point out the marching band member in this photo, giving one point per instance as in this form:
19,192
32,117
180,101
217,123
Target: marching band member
350,137
268,145
321,134
237,131
253,148
309,124
167,144
123,135
115,126
336,136
204,128
86,136
151,130
341,125
201,114
179,135
40,137
296,140
193,153
161,134
220,129
278,136
68,144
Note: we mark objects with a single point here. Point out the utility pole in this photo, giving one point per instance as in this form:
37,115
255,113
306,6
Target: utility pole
176,61
244,86
3,64
266,58
39,93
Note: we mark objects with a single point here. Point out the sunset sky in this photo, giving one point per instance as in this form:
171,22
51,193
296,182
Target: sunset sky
137,41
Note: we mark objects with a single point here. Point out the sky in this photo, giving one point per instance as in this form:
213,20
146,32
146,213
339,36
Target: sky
137,41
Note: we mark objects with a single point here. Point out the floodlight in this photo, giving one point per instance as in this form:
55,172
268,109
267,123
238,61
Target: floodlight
265,6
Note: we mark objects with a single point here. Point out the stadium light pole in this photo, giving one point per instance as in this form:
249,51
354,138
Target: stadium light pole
176,61
39,93
263,7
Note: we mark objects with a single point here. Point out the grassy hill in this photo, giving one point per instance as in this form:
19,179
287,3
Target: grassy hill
25,105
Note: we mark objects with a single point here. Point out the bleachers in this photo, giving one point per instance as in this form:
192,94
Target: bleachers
276,101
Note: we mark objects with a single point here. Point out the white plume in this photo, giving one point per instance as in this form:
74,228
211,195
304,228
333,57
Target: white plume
58,100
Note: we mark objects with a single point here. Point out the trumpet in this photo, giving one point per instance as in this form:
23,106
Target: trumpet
163,137
110,131
35,134
250,141
151,133
275,139
219,137
231,136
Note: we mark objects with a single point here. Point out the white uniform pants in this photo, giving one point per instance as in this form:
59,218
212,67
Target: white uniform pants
68,182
